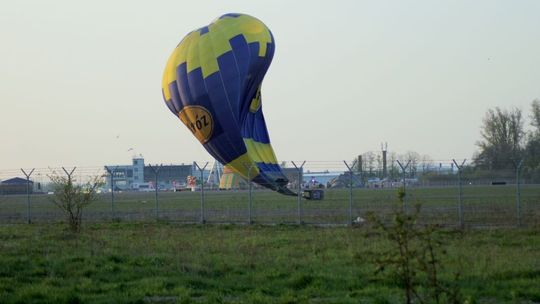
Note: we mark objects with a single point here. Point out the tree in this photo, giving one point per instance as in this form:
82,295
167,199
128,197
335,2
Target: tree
368,160
502,139
72,198
532,147
393,171
412,158
535,115
378,160
532,155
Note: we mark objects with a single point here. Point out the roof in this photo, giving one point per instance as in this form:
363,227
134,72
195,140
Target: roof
15,181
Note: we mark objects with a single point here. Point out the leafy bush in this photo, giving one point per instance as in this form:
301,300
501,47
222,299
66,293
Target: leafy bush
72,198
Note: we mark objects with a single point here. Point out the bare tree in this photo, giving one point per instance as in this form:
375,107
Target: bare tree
502,138
412,157
532,147
368,160
535,115
393,172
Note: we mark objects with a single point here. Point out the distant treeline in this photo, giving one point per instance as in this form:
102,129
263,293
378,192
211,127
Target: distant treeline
505,149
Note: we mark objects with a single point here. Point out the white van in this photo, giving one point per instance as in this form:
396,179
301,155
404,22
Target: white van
145,187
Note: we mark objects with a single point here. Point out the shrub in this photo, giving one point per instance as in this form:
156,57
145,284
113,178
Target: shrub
72,198
413,257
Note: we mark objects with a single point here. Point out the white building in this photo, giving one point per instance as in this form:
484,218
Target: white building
126,177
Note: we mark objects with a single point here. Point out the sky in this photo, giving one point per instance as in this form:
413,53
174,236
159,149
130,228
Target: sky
80,81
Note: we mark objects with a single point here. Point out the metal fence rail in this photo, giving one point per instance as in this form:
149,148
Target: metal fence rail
457,200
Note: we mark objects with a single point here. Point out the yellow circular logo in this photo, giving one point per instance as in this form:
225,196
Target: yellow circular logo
199,121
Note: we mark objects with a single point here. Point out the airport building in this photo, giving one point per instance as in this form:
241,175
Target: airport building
16,185
141,177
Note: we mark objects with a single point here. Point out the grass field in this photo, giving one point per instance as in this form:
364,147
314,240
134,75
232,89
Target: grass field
158,262
482,206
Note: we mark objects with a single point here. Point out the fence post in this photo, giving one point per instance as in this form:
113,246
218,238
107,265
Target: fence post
69,174
403,168
299,197
350,190
250,187
28,214
202,190
156,169
111,174
460,192
518,191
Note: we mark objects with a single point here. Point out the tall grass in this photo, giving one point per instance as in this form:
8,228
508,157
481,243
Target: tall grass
142,262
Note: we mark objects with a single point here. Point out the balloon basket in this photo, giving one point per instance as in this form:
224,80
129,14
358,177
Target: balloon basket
313,195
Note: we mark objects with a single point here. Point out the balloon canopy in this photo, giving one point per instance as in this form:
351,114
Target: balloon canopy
212,82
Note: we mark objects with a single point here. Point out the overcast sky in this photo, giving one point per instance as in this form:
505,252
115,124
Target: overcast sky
80,81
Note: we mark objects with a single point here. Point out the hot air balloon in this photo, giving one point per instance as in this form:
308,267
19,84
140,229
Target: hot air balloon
230,179
212,82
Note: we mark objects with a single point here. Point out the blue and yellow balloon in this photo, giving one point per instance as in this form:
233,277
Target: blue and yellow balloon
212,82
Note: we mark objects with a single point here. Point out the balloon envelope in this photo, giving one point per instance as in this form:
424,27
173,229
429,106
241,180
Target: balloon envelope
212,82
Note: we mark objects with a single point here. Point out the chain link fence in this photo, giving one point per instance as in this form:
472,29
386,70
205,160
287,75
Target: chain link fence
450,193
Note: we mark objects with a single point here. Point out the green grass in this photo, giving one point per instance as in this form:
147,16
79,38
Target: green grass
145,262
482,206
